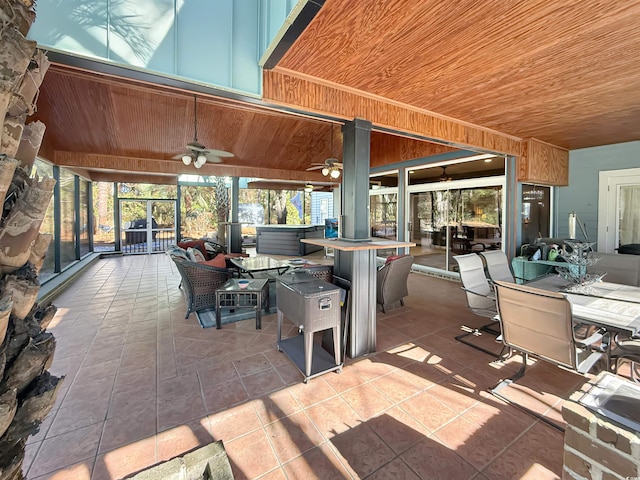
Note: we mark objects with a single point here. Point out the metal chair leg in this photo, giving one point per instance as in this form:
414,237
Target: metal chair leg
495,391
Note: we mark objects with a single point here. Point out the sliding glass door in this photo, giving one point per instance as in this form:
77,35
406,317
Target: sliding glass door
454,218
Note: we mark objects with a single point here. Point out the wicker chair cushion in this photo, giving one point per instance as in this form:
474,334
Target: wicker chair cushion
219,261
175,251
199,244
195,255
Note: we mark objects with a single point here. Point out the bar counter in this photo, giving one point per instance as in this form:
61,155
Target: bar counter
356,261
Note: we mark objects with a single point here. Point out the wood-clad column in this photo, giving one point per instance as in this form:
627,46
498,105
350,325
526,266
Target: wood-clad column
358,266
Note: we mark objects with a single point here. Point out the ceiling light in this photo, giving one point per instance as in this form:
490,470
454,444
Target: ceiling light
325,171
334,173
186,159
200,161
308,188
488,160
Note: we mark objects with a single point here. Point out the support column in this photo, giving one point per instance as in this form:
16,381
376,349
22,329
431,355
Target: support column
356,137
358,266
235,230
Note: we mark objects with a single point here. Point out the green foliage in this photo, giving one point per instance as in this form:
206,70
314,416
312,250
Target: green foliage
293,218
197,209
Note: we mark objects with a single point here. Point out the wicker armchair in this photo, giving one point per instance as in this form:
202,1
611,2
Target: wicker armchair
200,283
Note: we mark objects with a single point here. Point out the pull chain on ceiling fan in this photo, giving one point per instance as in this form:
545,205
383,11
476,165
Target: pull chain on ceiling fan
195,146
196,151
331,166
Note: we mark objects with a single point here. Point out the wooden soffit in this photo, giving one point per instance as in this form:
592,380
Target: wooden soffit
313,95
111,166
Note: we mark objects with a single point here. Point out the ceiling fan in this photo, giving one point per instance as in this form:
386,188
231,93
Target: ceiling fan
197,152
444,177
331,167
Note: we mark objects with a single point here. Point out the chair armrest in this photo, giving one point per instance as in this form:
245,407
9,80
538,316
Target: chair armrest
589,341
490,295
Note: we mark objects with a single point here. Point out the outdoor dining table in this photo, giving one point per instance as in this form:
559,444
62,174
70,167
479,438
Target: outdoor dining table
611,306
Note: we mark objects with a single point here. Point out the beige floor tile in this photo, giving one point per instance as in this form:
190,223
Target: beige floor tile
292,436
171,386
320,463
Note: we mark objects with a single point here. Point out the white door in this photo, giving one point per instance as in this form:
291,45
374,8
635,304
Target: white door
618,209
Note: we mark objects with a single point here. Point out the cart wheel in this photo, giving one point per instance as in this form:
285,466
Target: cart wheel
306,380
278,347
339,370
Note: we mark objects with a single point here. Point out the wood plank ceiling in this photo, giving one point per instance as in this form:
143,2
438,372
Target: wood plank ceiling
115,129
563,71
566,72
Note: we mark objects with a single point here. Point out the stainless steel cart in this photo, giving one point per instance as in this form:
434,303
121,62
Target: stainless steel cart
313,305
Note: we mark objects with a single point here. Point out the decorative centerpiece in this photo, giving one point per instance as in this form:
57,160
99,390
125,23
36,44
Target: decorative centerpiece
580,261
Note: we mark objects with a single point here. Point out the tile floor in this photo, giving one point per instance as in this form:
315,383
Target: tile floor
143,384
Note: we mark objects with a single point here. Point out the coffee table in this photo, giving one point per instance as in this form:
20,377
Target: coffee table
254,296
251,265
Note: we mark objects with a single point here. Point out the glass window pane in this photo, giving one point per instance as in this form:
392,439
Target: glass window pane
146,190
384,180
445,223
47,270
536,212
198,212
486,167
104,231
383,218
68,219
85,248
629,214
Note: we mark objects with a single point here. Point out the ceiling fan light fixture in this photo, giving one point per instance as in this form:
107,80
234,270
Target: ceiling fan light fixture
186,159
325,171
334,173
308,188
200,161
444,177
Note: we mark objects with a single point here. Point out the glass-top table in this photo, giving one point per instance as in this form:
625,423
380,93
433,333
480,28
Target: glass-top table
251,265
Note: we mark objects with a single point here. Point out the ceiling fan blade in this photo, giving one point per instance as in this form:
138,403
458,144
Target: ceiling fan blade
213,158
196,147
217,153
319,167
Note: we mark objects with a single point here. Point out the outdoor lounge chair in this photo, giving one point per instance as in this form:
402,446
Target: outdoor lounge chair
392,281
497,265
627,349
200,282
539,323
480,298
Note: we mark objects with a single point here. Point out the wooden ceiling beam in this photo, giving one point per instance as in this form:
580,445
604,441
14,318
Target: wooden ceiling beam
293,90
130,177
120,164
